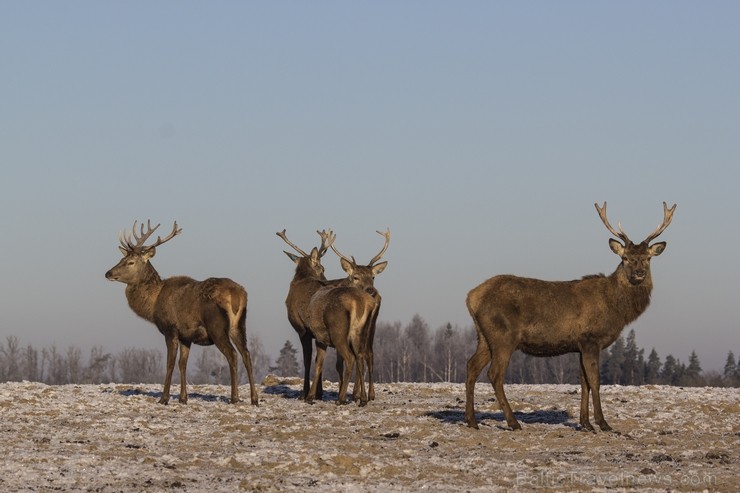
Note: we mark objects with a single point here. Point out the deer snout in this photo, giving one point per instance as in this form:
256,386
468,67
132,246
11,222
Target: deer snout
109,275
638,276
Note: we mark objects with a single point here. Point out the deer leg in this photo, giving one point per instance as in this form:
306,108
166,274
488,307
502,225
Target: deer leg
223,344
349,364
319,366
182,365
239,338
171,343
591,368
358,346
476,363
496,375
585,391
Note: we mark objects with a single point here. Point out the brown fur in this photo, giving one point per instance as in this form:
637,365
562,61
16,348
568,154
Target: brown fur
187,311
549,318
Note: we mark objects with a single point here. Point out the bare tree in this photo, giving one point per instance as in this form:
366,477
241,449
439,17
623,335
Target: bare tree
184,310
546,318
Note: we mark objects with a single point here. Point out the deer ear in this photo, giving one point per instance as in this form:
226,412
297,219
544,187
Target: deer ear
616,246
123,251
657,248
292,257
378,268
149,253
347,266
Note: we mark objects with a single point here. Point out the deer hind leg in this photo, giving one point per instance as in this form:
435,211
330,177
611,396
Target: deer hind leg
318,368
476,363
500,355
222,342
182,365
238,335
585,391
591,369
171,343
348,358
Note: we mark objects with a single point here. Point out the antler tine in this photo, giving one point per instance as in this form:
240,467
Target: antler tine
667,218
281,234
602,214
341,255
327,238
140,240
175,231
387,236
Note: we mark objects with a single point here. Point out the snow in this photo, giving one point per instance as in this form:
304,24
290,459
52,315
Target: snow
106,438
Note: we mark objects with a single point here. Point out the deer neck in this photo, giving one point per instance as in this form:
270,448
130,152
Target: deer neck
630,300
142,295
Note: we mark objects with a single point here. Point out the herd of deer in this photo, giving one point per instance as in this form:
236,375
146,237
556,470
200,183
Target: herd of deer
541,318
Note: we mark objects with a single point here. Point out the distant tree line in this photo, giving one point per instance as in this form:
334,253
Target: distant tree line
53,366
410,353
415,353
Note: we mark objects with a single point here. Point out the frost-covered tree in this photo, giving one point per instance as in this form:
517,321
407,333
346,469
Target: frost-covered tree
286,364
730,374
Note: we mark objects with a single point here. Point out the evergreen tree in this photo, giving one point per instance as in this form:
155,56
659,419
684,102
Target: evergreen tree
692,374
615,362
652,368
731,371
632,370
286,364
670,371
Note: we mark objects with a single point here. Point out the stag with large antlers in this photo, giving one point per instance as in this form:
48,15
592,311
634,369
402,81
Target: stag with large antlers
309,277
185,311
549,318
363,276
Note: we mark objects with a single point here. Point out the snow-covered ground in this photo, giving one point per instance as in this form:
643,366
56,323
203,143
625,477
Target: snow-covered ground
111,438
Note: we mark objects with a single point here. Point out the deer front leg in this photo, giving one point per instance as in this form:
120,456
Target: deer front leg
183,365
585,390
591,368
171,342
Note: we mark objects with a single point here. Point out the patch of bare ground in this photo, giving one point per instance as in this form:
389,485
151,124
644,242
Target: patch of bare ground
111,438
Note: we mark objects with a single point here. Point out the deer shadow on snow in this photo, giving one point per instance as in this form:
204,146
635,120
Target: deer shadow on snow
191,395
289,393
548,416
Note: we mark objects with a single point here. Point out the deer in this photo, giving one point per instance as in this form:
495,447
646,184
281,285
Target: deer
363,276
340,317
309,277
549,318
184,310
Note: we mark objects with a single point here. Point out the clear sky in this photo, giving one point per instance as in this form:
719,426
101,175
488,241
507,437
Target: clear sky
481,133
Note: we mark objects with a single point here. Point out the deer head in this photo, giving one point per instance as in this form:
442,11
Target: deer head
135,266
363,276
636,257
309,265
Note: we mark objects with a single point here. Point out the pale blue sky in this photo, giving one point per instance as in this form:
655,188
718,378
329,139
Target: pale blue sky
481,133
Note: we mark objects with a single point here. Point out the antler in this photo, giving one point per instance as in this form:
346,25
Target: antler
125,238
386,235
281,234
327,239
602,214
667,217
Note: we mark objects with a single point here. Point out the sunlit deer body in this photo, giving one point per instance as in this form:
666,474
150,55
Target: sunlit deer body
309,277
184,310
363,277
545,318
